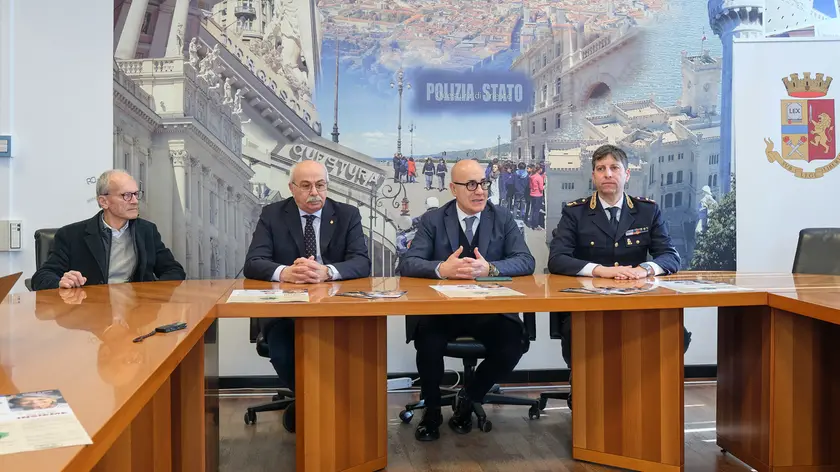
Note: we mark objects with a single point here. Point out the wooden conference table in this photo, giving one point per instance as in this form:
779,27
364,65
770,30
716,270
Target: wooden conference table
152,405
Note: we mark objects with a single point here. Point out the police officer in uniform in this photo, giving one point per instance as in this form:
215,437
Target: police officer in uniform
610,235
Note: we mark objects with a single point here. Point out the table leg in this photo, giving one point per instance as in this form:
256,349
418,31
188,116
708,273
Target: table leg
778,386
628,389
340,394
145,444
188,412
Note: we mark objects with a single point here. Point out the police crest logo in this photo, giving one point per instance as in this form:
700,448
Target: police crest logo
808,135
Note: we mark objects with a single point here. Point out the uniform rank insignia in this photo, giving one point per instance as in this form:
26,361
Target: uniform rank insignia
635,231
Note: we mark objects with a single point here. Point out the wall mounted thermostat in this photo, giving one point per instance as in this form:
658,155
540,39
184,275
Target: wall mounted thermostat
5,146
10,232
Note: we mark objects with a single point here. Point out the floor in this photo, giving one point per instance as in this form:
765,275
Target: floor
515,444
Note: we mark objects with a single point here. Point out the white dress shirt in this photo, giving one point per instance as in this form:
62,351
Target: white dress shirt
588,268
116,233
316,224
461,217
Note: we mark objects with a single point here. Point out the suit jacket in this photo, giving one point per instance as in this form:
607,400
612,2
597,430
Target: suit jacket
499,240
584,235
84,246
278,240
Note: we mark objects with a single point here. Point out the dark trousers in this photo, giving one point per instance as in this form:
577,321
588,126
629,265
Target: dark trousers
281,350
502,337
519,211
566,338
536,206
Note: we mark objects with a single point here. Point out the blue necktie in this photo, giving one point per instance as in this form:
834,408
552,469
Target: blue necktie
469,231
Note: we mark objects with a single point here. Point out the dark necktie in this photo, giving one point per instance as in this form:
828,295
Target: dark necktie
613,218
309,242
469,225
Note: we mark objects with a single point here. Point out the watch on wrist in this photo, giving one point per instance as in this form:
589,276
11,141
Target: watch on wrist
648,268
330,273
493,272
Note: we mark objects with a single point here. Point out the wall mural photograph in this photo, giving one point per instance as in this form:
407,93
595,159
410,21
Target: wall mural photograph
216,100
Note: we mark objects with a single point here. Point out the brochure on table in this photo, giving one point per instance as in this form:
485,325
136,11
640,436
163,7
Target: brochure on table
699,286
268,296
476,291
34,421
372,295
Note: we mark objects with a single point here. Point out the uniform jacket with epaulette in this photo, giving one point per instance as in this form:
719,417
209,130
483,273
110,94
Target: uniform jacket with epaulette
584,235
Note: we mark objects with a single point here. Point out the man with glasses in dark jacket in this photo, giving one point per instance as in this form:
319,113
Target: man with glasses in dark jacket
115,246
462,240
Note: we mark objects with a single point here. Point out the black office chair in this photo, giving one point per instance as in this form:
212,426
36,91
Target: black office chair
470,351
284,400
44,242
818,252
554,332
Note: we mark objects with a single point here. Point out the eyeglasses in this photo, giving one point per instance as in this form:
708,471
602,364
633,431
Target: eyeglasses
127,195
472,185
307,186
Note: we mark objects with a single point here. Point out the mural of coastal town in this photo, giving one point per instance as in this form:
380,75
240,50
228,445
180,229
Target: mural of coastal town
641,74
215,100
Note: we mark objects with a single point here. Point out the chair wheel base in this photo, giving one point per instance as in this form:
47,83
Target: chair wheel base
406,416
534,413
250,417
485,425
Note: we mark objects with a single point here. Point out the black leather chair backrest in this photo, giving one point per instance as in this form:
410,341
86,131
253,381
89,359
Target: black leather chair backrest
44,242
530,320
818,252
255,336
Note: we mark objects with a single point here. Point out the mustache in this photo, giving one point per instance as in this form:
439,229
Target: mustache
313,199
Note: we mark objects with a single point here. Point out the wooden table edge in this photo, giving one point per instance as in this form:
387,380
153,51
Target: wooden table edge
89,455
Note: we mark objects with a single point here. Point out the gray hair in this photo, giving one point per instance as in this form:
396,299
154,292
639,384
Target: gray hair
294,168
103,183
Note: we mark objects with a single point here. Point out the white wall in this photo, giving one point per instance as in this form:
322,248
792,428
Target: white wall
775,218
56,102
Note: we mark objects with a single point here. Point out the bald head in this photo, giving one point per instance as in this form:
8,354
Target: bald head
308,184
308,168
465,174
463,169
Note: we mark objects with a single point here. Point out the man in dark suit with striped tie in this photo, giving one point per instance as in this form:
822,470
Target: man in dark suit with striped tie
464,239
305,239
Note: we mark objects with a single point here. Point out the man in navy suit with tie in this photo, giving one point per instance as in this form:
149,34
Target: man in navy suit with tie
610,234
305,239
464,239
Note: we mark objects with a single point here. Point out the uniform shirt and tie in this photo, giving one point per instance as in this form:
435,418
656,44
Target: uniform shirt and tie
613,213
469,225
311,224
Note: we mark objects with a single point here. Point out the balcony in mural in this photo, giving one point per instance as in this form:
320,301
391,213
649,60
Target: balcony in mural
177,92
287,81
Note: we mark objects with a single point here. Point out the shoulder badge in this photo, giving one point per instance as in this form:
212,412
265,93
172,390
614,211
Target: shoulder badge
576,202
644,199
593,201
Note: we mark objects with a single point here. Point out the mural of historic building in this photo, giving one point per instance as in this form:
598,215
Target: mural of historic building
225,109
573,60
674,152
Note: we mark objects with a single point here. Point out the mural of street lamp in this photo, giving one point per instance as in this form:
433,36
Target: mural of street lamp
399,86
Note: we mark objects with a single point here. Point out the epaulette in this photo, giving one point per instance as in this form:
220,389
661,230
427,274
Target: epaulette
577,202
638,199
644,199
